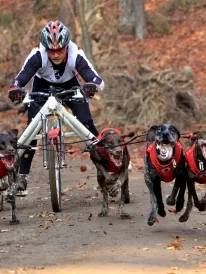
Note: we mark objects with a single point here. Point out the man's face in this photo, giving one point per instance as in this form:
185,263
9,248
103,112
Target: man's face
57,56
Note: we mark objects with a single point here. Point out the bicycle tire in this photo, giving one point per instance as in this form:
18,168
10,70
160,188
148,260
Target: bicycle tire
54,173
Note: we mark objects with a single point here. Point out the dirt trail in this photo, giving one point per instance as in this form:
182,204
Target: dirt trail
78,241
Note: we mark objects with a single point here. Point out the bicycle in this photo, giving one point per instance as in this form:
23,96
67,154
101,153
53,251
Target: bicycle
50,119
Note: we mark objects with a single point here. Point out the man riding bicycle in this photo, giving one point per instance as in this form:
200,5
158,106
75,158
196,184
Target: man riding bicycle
57,61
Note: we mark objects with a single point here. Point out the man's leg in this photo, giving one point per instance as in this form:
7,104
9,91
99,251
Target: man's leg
83,114
26,159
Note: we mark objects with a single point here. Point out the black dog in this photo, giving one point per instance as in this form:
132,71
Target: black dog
164,161
9,165
111,159
196,172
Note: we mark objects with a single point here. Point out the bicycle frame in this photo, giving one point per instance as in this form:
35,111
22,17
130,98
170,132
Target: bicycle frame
50,106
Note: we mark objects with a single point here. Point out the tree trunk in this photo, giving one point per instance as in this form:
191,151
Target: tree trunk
67,14
85,34
132,18
140,22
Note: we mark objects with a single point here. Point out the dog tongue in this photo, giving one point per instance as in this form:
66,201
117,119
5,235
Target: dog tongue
8,161
166,152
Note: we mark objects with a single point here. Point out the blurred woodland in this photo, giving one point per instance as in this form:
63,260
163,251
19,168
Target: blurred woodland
151,55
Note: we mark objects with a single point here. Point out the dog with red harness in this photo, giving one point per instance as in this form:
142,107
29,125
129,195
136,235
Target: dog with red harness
164,162
111,158
9,165
196,172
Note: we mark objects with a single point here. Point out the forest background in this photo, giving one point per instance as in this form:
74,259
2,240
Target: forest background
151,55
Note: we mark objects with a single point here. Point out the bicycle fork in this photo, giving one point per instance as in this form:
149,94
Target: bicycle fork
46,139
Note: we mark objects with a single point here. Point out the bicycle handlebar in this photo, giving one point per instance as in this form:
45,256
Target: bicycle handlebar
73,94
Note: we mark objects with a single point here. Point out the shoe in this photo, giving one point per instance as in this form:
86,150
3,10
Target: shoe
130,166
22,185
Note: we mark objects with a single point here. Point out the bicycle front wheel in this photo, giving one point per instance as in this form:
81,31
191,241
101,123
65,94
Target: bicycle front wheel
53,159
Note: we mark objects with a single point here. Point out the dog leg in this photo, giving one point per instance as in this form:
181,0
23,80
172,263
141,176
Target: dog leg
103,171
123,214
180,198
158,193
153,201
203,200
126,192
171,199
121,178
11,198
191,188
105,206
186,214
1,200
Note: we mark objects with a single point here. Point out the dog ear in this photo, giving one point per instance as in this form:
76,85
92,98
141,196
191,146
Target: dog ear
13,131
178,133
150,137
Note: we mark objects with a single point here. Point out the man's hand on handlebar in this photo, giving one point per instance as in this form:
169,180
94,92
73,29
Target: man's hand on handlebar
90,89
16,94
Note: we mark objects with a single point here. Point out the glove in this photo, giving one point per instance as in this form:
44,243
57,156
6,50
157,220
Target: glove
90,89
16,94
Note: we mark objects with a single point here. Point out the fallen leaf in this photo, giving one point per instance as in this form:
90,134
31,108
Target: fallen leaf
4,230
200,247
132,222
105,232
90,216
174,246
80,186
46,214
83,168
3,251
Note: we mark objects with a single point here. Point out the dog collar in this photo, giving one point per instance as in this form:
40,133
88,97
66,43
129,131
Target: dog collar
166,171
189,154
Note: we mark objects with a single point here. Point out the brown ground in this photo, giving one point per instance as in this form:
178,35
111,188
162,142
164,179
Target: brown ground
78,241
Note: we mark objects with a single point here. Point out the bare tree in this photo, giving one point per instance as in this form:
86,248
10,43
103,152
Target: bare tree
140,22
67,14
85,34
132,18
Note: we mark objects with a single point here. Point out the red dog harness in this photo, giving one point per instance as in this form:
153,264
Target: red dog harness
105,154
166,171
201,175
3,171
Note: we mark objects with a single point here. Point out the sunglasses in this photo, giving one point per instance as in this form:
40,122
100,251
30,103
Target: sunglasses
54,51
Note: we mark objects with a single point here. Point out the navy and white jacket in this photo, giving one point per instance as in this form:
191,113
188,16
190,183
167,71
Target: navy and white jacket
44,73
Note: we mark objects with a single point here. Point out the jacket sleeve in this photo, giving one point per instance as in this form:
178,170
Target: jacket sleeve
86,70
28,70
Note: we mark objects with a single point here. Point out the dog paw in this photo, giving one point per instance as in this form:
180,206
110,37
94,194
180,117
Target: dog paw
179,206
161,212
125,215
150,222
201,206
170,201
103,214
183,218
14,222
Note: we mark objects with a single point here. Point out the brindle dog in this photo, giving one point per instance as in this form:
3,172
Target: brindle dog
9,165
164,161
196,172
111,159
